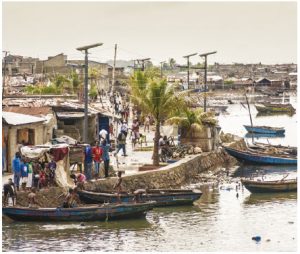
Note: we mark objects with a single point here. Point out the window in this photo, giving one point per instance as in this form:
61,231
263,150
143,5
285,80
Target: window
25,136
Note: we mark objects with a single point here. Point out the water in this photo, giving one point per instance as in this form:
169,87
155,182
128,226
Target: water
219,221
239,116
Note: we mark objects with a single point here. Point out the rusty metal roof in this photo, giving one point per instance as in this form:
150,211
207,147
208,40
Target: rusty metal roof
33,111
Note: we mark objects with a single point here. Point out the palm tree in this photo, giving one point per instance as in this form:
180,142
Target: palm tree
155,97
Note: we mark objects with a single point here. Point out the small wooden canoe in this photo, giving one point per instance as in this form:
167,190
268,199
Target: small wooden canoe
260,157
162,197
256,186
88,213
264,129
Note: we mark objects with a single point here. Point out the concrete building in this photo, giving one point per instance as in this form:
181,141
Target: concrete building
17,130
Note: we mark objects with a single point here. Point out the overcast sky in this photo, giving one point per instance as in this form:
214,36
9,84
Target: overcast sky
240,31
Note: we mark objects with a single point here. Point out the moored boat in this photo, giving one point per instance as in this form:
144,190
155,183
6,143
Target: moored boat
274,107
264,135
257,186
264,129
161,197
88,213
260,157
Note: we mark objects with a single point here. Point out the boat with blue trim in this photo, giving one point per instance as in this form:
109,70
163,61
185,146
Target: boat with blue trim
162,197
264,129
102,212
261,157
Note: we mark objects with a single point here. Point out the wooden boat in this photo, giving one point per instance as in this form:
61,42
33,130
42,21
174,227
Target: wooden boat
88,213
162,197
260,157
256,186
275,107
287,150
264,129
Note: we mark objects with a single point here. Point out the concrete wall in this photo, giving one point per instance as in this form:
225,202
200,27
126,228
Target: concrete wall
12,139
207,139
171,176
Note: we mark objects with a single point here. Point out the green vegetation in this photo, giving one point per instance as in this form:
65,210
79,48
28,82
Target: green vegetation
93,93
190,120
228,82
43,89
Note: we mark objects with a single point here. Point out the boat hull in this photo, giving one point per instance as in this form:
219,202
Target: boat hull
161,199
264,130
264,108
92,213
269,187
260,158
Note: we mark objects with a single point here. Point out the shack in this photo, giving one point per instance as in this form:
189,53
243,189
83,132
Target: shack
18,130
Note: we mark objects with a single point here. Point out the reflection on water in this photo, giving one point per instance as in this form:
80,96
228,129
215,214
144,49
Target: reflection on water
259,198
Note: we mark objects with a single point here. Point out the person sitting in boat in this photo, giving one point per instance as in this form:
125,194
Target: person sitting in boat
71,199
9,191
32,202
118,185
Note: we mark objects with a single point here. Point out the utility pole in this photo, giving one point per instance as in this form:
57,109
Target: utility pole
161,68
205,74
144,60
114,69
86,94
188,68
4,72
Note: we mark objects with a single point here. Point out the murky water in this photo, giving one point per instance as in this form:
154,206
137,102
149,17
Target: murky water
219,221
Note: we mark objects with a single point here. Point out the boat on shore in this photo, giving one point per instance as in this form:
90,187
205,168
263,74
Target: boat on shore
162,197
87,213
261,157
266,107
264,129
259,186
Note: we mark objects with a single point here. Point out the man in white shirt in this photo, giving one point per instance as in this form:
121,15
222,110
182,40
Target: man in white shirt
103,134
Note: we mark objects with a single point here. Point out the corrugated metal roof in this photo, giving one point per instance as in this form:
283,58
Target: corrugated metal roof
20,119
34,111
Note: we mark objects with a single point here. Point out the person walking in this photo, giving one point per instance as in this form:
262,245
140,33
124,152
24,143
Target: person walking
121,143
97,157
105,156
16,167
147,124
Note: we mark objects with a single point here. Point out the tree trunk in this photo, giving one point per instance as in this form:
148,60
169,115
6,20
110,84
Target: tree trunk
156,139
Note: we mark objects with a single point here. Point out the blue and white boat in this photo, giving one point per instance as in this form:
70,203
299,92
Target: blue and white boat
264,129
260,157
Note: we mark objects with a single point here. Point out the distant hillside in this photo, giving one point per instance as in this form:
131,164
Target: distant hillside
121,63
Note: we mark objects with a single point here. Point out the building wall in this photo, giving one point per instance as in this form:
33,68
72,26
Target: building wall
12,139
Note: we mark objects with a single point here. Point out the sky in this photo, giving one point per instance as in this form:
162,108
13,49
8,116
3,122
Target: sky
244,32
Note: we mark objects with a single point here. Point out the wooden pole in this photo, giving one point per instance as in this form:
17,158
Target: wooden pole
250,117
114,68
